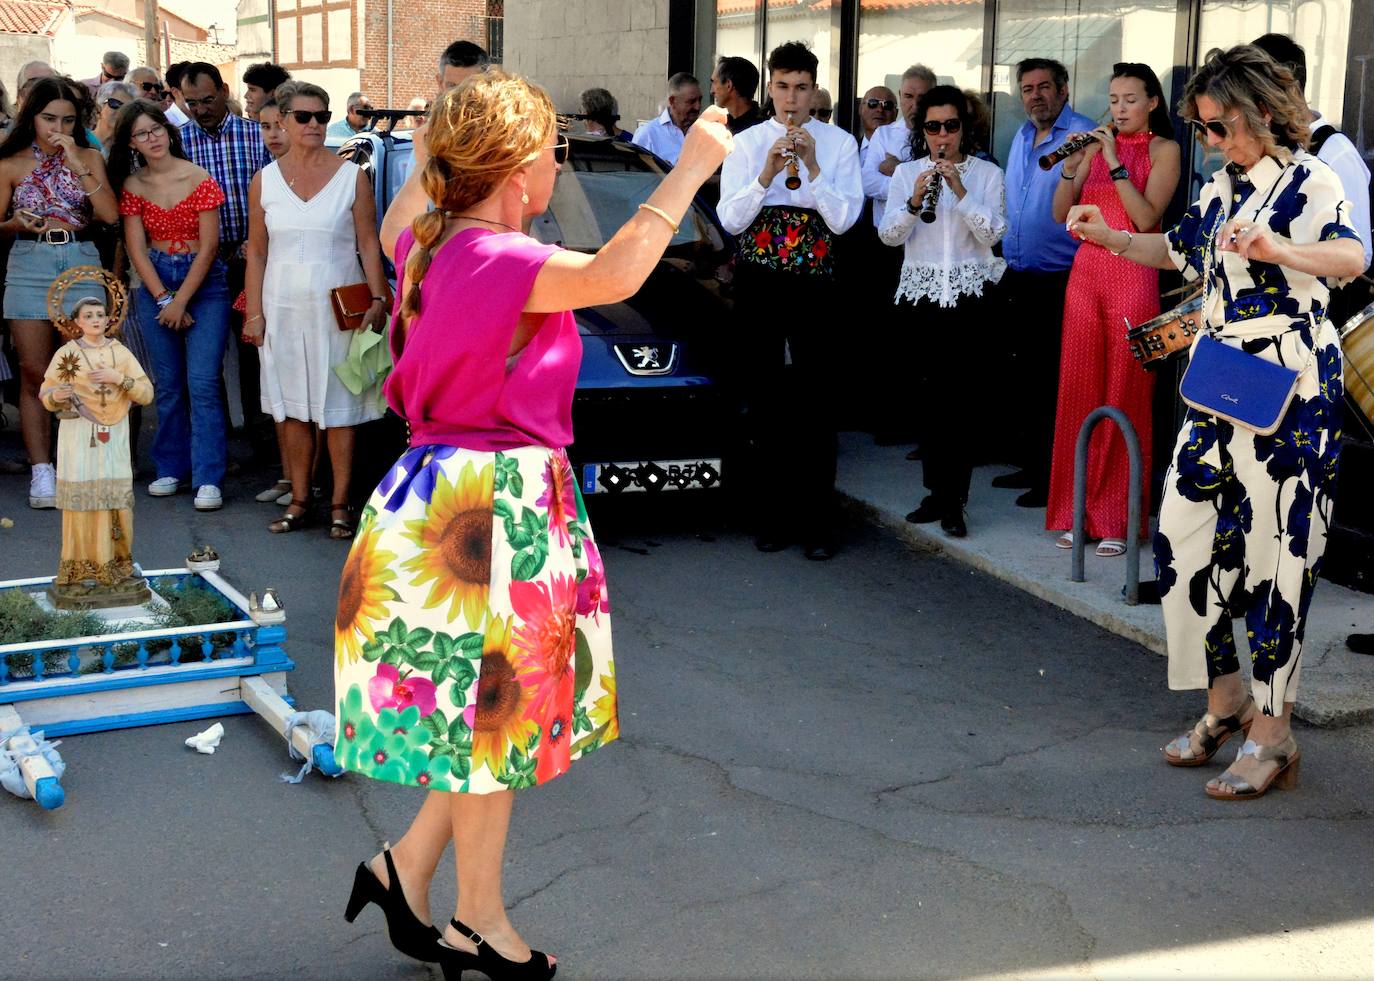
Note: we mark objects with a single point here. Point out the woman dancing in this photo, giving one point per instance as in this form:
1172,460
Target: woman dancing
1243,523
473,636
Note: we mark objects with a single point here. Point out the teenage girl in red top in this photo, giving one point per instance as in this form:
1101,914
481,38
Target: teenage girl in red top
171,233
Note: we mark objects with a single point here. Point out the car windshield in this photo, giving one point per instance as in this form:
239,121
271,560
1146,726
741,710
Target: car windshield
588,207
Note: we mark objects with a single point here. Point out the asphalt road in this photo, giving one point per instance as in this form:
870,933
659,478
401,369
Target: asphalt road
881,767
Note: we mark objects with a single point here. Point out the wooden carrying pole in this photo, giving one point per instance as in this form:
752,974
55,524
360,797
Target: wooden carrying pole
152,49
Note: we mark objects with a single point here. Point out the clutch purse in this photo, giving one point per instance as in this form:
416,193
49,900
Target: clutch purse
350,304
1241,388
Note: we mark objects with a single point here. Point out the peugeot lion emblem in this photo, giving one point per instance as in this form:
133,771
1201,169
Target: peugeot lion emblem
646,357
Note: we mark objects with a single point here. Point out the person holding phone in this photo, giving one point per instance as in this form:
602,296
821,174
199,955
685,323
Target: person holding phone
52,187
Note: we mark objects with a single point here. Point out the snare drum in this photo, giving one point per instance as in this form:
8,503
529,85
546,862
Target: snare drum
1160,338
1357,344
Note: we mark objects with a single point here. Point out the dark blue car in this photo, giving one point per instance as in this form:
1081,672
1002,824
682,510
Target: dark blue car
649,413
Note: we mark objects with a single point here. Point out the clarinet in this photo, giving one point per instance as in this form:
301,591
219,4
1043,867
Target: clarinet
793,181
932,195
1068,149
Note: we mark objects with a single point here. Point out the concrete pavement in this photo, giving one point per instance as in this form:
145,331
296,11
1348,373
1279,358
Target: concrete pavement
1011,543
886,766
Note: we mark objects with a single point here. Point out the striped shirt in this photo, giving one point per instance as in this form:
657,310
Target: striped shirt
232,156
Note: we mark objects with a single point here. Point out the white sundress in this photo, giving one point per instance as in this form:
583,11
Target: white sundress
311,249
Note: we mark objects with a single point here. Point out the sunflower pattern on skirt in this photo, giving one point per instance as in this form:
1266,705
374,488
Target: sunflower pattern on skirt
473,637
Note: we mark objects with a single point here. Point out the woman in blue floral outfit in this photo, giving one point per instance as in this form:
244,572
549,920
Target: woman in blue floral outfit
1244,519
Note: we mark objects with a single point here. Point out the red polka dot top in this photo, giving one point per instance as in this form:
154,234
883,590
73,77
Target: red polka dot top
180,223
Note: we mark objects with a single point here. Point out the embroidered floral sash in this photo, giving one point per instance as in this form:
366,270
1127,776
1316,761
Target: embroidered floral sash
794,240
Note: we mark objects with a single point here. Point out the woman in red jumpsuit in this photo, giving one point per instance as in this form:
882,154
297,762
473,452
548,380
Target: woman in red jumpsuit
1130,176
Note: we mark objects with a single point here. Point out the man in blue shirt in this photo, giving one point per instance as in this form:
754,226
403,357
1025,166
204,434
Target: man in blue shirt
1039,253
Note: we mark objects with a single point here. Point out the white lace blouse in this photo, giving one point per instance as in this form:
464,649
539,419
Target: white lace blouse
952,256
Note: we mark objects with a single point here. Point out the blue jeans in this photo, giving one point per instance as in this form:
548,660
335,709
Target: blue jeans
188,365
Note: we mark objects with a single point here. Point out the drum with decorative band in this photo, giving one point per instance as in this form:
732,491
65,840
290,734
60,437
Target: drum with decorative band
1160,338
1357,344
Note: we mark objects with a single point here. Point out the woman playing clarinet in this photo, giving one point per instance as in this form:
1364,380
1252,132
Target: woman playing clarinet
1244,518
1131,175
953,215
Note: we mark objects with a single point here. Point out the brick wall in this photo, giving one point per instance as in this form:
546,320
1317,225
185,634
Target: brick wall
421,30
571,45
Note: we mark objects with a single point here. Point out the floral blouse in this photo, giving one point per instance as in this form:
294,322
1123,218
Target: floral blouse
1301,200
952,256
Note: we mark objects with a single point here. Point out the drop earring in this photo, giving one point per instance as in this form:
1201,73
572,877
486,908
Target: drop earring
524,198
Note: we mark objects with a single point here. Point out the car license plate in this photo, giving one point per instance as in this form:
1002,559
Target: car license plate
649,475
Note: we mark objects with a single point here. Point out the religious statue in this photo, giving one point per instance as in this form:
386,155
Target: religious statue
91,383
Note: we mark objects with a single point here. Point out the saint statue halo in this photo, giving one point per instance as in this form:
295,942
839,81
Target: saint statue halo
118,304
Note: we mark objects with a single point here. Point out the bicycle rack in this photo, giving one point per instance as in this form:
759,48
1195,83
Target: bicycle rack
1080,497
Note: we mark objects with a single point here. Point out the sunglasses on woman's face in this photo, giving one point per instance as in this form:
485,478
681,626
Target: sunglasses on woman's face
304,116
933,126
115,104
887,105
1220,128
148,86
560,152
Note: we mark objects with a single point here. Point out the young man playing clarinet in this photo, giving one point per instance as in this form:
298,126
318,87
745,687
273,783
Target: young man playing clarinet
787,192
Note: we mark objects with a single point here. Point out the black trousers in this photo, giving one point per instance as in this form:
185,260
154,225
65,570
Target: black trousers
789,408
945,379
257,425
1032,325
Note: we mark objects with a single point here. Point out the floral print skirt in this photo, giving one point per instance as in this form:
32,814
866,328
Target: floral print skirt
473,636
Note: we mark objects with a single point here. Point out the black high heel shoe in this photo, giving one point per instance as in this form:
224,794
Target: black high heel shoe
407,934
492,964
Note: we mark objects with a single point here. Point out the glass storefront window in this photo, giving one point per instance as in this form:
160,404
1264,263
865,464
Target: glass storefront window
736,30
1320,26
944,35
1088,37
808,21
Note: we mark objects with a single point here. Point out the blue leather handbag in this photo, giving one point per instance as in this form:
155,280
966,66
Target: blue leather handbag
1241,388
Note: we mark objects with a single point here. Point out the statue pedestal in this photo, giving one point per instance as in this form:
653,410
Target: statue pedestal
131,594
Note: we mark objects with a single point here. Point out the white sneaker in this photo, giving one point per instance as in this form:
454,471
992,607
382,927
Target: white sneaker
43,486
208,498
164,487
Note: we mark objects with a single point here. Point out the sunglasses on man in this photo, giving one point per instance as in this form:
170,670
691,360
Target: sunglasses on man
304,116
933,126
822,114
887,105
1220,128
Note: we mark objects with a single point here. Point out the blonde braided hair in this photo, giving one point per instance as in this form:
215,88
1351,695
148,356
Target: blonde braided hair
480,133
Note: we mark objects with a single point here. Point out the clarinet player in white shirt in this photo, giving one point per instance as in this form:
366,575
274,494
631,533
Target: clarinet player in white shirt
947,270
786,300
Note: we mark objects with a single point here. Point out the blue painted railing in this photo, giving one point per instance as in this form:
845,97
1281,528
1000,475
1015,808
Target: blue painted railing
77,657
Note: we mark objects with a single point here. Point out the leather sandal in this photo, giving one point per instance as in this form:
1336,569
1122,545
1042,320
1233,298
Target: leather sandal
1285,775
342,529
1109,548
289,522
1211,733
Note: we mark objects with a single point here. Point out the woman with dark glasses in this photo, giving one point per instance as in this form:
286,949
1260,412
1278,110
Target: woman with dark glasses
1130,172
313,214
945,207
1243,524
109,99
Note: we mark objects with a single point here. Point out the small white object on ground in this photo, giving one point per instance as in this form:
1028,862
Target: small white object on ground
205,742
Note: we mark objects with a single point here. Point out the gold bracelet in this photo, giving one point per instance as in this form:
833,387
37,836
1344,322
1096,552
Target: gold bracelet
662,214
1129,239
251,319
